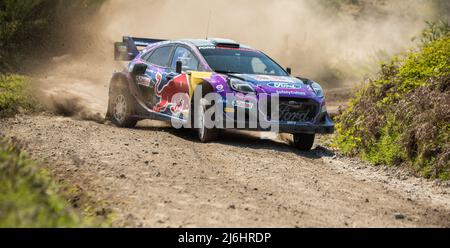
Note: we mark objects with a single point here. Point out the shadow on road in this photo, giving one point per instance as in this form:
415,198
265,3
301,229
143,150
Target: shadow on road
243,139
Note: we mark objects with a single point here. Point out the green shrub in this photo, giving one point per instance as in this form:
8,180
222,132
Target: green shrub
28,27
403,115
435,31
15,95
28,198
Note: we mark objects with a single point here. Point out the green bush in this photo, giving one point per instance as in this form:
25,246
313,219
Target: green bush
28,27
15,96
28,198
403,115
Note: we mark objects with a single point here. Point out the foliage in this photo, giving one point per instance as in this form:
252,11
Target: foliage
15,96
28,198
403,115
435,31
26,25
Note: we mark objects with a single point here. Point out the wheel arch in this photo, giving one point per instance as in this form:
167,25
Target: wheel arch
206,87
119,80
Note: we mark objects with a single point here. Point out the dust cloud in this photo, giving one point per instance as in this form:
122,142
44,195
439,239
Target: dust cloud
317,42
329,46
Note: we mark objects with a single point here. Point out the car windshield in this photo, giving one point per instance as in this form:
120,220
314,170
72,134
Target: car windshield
239,61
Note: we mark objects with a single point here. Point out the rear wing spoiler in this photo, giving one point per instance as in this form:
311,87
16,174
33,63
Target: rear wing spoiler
128,49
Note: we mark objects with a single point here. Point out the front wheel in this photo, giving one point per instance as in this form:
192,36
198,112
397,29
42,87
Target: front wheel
205,134
304,141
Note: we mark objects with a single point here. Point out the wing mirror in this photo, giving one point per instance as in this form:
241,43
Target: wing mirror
139,69
289,70
179,68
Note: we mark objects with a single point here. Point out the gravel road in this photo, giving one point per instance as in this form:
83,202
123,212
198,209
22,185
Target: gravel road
155,176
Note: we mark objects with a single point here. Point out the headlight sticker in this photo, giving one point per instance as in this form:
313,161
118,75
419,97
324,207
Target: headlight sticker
279,85
243,104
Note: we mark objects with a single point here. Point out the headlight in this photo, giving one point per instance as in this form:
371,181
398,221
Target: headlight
317,89
241,86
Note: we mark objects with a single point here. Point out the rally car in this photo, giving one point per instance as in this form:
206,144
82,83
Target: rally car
170,80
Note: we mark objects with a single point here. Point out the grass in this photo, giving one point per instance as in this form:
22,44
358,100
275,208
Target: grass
28,197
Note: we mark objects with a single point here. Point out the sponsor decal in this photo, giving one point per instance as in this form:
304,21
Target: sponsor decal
294,93
207,47
242,104
219,88
173,95
267,78
280,85
144,81
293,115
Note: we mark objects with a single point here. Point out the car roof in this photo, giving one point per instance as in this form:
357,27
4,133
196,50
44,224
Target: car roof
214,42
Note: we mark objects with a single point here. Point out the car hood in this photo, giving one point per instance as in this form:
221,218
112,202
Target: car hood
283,85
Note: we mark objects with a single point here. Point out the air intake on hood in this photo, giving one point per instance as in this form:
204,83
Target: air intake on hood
225,43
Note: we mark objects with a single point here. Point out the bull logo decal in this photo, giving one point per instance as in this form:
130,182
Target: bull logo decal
173,95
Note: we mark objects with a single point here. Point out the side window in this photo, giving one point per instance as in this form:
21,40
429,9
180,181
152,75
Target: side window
145,56
190,62
160,56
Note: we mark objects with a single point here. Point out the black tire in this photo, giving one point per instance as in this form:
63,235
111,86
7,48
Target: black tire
205,134
304,141
122,108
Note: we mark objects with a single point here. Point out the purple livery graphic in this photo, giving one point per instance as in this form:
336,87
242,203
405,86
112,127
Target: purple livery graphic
211,85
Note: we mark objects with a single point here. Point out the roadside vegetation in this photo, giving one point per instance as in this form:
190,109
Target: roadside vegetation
32,28
15,96
28,196
402,116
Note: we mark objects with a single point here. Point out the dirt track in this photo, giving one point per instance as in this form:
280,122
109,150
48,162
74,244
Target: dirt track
155,176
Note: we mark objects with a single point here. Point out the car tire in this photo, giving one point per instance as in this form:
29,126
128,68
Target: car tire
205,134
122,108
304,141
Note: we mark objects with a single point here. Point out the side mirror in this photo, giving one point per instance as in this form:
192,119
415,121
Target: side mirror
139,69
289,70
179,68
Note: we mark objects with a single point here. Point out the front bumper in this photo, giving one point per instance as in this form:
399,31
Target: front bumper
326,127
308,115
323,124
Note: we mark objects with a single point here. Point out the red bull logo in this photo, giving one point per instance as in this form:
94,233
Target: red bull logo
173,96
